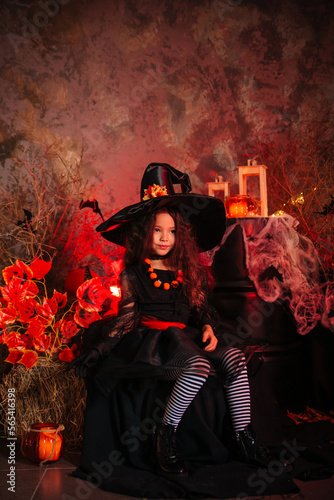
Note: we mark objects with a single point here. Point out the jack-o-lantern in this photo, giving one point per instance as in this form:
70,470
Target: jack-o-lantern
43,442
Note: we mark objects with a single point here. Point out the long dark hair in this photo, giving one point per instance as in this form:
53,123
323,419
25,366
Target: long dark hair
185,254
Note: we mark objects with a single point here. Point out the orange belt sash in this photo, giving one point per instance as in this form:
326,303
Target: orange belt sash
158,324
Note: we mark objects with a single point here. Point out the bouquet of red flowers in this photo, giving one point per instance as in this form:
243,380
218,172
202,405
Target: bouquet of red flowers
35,325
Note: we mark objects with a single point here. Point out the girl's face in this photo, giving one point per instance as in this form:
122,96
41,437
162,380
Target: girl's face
163,234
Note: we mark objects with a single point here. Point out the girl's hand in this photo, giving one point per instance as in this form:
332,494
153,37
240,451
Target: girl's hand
82,363
208,335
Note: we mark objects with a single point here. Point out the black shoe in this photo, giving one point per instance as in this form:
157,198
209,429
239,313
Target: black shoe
251,452
165,449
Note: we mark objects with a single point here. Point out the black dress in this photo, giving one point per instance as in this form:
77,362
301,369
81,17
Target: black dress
139,351
126,396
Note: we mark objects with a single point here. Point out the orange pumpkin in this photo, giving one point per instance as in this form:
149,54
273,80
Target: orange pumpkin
43,442
240,206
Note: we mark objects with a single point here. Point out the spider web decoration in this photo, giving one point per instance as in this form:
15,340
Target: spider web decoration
300,180
284,265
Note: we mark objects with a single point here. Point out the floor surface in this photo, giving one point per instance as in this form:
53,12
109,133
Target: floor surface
54,482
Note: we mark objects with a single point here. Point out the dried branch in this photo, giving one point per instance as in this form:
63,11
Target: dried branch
300,182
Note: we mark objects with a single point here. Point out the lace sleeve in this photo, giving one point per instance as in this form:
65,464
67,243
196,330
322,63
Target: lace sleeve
204,315
127,316
105,334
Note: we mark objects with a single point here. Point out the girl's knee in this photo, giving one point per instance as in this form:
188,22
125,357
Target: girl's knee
234,353
198,365
230,361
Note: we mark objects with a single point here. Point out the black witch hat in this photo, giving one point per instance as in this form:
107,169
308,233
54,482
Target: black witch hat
206,214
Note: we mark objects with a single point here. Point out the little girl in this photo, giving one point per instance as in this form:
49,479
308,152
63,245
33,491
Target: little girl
165,327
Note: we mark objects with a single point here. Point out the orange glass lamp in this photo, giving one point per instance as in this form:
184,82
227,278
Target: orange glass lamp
240,206
261,172
43,442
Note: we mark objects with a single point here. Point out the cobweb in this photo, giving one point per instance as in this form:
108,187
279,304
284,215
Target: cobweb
284,265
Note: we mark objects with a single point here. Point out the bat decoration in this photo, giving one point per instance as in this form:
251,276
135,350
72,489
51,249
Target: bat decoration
25,223
93,204
328,208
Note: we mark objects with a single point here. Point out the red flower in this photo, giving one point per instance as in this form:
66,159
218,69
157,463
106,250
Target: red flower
17,291
41,328
68,328
92,294
41,343
60,298
3,302
28,310
50,306
7,316
46,315
19,271
36,327
154,191
85,318
28,358
40,268
14,340
66,355
14,356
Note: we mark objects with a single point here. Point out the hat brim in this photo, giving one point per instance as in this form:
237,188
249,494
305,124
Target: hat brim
206,214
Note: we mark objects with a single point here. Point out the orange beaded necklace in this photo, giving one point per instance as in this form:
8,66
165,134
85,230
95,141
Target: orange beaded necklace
157,283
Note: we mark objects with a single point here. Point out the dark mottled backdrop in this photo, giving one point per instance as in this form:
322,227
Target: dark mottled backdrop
122,83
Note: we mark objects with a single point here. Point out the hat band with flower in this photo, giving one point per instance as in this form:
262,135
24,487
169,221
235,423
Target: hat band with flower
205,213
154,192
